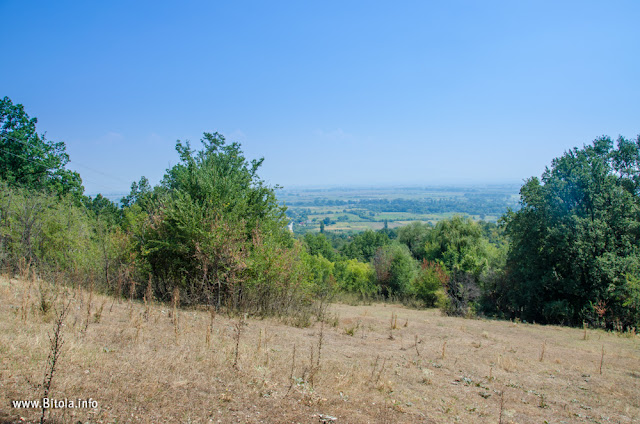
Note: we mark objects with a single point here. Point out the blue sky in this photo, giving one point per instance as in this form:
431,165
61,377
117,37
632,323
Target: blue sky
330,93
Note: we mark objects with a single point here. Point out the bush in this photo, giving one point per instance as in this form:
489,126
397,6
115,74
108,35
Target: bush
394,269
58,235
462,292
356,277
558,311
215,230
632,302
429,283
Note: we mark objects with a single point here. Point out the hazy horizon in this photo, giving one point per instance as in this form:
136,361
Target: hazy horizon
320,187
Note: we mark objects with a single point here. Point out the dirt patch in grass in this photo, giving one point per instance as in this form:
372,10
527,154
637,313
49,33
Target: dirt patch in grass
142,364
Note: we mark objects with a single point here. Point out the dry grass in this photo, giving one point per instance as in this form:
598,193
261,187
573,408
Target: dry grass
143,364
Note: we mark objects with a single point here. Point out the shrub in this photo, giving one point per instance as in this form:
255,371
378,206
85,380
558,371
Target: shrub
394,269
356,277
429,283
462,292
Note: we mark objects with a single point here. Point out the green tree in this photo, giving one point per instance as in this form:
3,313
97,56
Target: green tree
214,225
429,283
103,209
394,269
321,273
141,194
45,230
219,178
458,244
364,245
414,236
356,277
318,244
576,236
631,301
30,160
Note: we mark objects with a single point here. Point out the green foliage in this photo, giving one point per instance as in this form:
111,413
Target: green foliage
557,311
215,230
38,228
576,236
415,237
458,244
394,269
320,273
45,219
55,234
103,209
182,240
364,246
356,277
30,160
219,178
141,194
429,283
631,301
318,244
276,280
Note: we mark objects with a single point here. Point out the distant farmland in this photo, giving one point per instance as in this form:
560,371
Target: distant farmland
351,209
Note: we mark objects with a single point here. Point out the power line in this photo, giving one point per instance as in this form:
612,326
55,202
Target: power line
71,161
25,158
47,167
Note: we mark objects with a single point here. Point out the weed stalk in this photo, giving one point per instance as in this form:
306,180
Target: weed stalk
238,327
293,366
544,345
86,324
55,349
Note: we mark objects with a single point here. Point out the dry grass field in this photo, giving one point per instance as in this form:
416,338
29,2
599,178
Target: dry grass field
367,364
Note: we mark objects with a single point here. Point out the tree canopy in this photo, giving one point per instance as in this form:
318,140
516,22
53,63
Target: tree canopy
575,240
214,224
458,244
365,245
28,159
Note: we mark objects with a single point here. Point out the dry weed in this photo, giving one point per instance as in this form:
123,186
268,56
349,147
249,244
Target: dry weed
269,372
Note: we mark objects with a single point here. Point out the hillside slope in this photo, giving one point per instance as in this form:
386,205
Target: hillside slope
140,365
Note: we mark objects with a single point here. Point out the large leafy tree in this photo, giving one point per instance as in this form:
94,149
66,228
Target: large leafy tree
457,243
214,224
414,236
574,242
28,159
219,177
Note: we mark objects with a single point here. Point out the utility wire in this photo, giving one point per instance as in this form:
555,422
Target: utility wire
47,167
74,162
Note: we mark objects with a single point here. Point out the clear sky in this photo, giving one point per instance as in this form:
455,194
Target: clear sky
329,92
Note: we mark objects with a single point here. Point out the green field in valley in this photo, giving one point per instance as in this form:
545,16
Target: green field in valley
354,209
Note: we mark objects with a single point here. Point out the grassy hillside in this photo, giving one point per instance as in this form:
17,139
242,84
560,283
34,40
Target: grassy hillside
367,364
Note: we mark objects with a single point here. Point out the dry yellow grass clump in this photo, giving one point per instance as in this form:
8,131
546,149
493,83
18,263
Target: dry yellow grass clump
150,363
